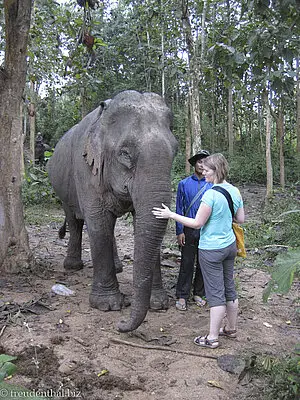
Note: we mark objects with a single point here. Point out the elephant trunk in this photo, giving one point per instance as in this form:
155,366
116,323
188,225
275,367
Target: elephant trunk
148,235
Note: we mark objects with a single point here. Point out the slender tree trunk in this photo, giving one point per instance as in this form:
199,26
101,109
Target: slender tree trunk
24,117
230,122
203,31
213,126
32,123
84,110
187,141
229,104
14,246
194,78
269,167
162,40
280,126
260,125
298,106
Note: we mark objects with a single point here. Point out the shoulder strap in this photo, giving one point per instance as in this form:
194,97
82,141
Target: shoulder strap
228,197
195,198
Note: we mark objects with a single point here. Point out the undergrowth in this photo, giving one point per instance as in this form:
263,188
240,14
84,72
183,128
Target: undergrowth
279,221
36,188
282,376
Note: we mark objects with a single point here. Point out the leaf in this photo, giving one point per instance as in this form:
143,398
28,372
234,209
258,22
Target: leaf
285,266
5,358
103,372
7,369
230,49
215,384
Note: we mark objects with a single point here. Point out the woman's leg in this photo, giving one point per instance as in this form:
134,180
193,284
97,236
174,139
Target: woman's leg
217,315
230,291
212,269
217,269
232,309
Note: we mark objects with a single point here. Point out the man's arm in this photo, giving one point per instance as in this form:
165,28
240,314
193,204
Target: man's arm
179,208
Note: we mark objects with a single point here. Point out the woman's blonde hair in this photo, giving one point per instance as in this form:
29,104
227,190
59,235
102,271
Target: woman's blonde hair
218,163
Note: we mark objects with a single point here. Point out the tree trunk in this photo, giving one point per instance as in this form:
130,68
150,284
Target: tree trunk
269,191
280,127
298,107
162,41
32,123
14,246
230,122
194,79
187,141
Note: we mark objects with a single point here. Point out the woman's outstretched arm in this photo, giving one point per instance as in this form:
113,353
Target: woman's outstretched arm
202,216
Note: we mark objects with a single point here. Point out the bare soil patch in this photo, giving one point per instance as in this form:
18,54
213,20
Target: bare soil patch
64,345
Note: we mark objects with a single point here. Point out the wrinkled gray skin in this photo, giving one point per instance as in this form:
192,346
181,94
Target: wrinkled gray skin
118,159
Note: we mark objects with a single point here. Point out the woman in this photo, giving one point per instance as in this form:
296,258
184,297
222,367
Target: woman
217,248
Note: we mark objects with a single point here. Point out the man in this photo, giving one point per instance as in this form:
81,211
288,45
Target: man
189,193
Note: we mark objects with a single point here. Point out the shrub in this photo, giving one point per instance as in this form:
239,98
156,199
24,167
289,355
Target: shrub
36,188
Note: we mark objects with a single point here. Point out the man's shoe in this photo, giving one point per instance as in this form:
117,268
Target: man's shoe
200,302
181,305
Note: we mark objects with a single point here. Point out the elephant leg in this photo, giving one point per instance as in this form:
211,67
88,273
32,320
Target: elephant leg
73,260
117,261
105,294
159,299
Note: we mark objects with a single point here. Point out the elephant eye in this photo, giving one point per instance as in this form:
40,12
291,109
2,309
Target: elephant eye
124,154
125,158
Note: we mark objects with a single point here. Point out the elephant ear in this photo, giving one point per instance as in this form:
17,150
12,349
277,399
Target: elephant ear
93,152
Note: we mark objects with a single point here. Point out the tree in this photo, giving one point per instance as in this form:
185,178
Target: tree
194,77
14,246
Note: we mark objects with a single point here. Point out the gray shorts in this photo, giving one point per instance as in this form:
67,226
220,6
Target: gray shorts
217,268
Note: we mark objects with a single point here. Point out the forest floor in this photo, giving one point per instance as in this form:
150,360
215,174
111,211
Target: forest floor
73,351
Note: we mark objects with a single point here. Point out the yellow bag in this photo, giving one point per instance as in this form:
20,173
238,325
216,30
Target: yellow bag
240,242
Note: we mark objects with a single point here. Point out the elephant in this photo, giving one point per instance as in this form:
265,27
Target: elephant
116,160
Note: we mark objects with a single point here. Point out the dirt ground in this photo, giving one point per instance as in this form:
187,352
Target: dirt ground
66,347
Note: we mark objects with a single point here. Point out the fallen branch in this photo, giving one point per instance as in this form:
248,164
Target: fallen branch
268,246
288,212
2,330
161,348
275,245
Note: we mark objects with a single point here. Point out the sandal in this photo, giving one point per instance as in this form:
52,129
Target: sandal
228,333
204,342
200,302
181,305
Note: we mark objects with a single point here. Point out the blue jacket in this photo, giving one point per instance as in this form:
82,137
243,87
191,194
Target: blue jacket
186,191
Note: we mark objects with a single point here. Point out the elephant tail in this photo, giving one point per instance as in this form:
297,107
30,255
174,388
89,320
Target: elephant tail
62,230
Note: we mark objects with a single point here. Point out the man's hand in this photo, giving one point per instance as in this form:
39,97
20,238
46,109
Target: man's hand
181,239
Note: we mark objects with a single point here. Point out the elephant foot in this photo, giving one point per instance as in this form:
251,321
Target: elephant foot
159,300
109,302
73,264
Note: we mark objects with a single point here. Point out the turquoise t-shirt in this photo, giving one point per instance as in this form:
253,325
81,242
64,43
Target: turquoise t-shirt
217,233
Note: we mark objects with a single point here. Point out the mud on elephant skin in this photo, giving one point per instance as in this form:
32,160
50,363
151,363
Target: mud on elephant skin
116,160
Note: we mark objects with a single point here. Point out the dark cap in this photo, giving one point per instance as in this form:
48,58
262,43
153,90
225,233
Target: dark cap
198,156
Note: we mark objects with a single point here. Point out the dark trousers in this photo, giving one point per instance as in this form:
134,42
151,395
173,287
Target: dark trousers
189,253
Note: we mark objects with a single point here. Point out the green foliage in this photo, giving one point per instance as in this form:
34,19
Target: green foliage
7,368
35,214
246,168
283,375
36,188
285,267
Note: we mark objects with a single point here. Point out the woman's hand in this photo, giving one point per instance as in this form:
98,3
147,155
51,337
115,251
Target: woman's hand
162,213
